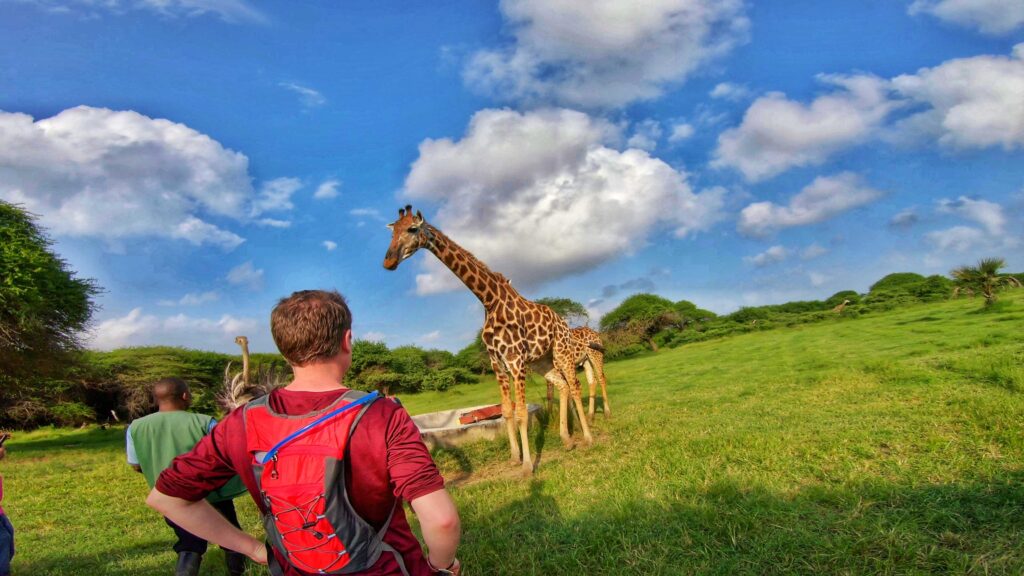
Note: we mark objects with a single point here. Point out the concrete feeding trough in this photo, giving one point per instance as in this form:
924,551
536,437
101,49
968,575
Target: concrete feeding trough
443,429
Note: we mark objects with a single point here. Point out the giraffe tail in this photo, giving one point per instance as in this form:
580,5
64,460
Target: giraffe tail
597,346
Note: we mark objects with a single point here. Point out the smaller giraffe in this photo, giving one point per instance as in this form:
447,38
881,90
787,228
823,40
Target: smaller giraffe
593,366
839,308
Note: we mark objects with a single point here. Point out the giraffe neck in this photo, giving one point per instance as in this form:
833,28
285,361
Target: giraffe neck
490,287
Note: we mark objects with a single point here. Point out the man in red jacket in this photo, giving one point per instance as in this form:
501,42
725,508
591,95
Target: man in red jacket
387,461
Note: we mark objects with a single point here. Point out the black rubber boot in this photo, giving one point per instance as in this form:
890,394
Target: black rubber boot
188,564
235,562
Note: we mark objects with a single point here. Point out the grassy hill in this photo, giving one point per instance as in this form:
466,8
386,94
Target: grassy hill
891,444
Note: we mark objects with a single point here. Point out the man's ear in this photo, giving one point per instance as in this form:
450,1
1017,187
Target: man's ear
346,341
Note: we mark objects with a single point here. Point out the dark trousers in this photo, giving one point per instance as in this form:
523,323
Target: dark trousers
6,545
188,542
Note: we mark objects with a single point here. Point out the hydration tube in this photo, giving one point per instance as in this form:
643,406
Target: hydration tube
321,420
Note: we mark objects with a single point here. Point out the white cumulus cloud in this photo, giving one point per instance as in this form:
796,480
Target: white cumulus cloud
555,198
994,17
247,276
645,135
958,239
973,102
329,245
729,91
826,197
327,189
988,214
139,329
119,174
777,133
772,255
604,53
681,132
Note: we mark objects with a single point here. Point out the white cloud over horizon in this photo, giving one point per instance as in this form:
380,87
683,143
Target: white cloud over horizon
552,179
604,53
822,199
108,174
139,329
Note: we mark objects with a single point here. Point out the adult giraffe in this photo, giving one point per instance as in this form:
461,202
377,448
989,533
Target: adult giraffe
517,332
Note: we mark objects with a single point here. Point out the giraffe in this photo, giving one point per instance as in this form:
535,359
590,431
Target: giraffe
593,366
840,307
517,332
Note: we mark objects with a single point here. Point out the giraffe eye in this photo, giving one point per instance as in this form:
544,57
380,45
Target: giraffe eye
413,229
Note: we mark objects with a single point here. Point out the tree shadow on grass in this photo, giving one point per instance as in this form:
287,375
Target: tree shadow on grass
90,438
730,529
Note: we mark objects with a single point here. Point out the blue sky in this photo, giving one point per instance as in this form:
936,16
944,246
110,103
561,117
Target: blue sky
202,158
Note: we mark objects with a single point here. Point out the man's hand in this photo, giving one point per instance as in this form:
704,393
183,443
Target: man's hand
259,554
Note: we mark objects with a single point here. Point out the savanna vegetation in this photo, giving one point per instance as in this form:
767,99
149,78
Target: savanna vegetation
46,378
887,443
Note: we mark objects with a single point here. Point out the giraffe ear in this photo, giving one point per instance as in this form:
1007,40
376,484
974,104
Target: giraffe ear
390,226
419,217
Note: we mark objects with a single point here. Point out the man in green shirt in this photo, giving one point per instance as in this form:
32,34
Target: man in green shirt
154,441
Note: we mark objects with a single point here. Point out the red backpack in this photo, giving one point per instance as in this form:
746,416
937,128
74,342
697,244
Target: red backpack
299,466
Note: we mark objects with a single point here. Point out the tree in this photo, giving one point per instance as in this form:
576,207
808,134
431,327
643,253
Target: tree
984,278
642,316
43,307
574,313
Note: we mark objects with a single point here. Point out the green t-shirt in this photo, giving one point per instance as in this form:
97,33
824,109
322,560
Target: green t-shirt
162,436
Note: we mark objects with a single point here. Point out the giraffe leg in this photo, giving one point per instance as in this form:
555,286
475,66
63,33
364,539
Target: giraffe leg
554,377
523,415
599,368
588,369
507,410
569,372
550,396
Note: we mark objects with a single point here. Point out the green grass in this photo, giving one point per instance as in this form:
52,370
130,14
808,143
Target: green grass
891,444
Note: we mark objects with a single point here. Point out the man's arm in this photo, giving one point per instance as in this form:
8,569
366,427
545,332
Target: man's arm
442,530
133,459
204,521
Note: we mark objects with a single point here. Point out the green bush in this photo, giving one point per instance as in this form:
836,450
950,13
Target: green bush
72,414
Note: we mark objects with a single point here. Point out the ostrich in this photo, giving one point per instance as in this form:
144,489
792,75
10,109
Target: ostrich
241,388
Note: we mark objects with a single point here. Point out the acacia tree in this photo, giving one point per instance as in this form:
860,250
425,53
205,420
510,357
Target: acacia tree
44,307
574,313
641,316
984,278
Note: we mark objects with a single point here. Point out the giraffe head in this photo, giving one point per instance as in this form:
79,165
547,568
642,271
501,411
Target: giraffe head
241,340
406,237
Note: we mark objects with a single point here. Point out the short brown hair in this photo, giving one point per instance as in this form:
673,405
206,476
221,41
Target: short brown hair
309,325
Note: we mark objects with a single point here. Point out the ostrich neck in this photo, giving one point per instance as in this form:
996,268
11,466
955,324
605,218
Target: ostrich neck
488,286
245,363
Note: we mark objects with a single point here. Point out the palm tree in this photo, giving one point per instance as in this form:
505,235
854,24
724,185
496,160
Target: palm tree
984,278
